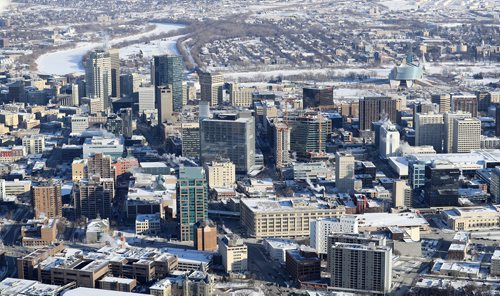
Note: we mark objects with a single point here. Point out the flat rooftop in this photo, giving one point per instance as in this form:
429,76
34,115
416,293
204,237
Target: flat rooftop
380,220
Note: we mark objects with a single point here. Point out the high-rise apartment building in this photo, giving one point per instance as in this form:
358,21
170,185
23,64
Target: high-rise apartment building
344,171
78,169
444,102
114,55
100,165
229,136
375,108
429,130
168,70
320,229
281,144
448,132
361,268
466,135
93,197
98,76
211,87
34,144
465,103
221,174
192,200
146,98
47,200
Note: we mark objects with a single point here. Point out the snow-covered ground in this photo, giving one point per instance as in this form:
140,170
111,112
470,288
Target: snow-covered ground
66,61
150,49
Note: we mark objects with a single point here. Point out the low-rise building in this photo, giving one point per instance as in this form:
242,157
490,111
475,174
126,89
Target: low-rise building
286,218
472,218
117,284
495,263
234,253
148,224
303,264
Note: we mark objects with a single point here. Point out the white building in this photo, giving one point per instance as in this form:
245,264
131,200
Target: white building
429,130
495,263
448,118
109,146
389,140
221,174
466,135
34,144
234,254
276,248
344,171
79,124
98,76
97,230
320,229
147,224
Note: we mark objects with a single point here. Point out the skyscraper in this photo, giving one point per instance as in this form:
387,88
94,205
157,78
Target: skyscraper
362,268
449,117
375,108
100,165
114,55
164,104
93,197
230,136
192,200
464,102
98,76
47,200
389,140
466,135
443,101
309,134
281,144
126,116
211,87
429,130
167,70
344,171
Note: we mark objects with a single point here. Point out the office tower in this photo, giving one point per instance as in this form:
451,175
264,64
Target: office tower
240,96
389,140
344,171
126,116
75,95
190,136
429,130
309,134
448,133
129,84
234,253
211,87
466,135
205,238
230,136
167,70
465,103
483,100
281,144
444,102
441,184
361,268
221,174
114,55
98,76
79,124
114,124
47,200
317,96
375,108
34,144
100,165
401,194
303,264
192,200
164,104
93,197
146,98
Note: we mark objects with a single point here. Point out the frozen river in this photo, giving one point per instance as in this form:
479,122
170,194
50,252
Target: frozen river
67,61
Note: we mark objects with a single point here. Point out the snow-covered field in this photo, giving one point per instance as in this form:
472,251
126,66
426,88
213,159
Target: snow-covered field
69,60
150,49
